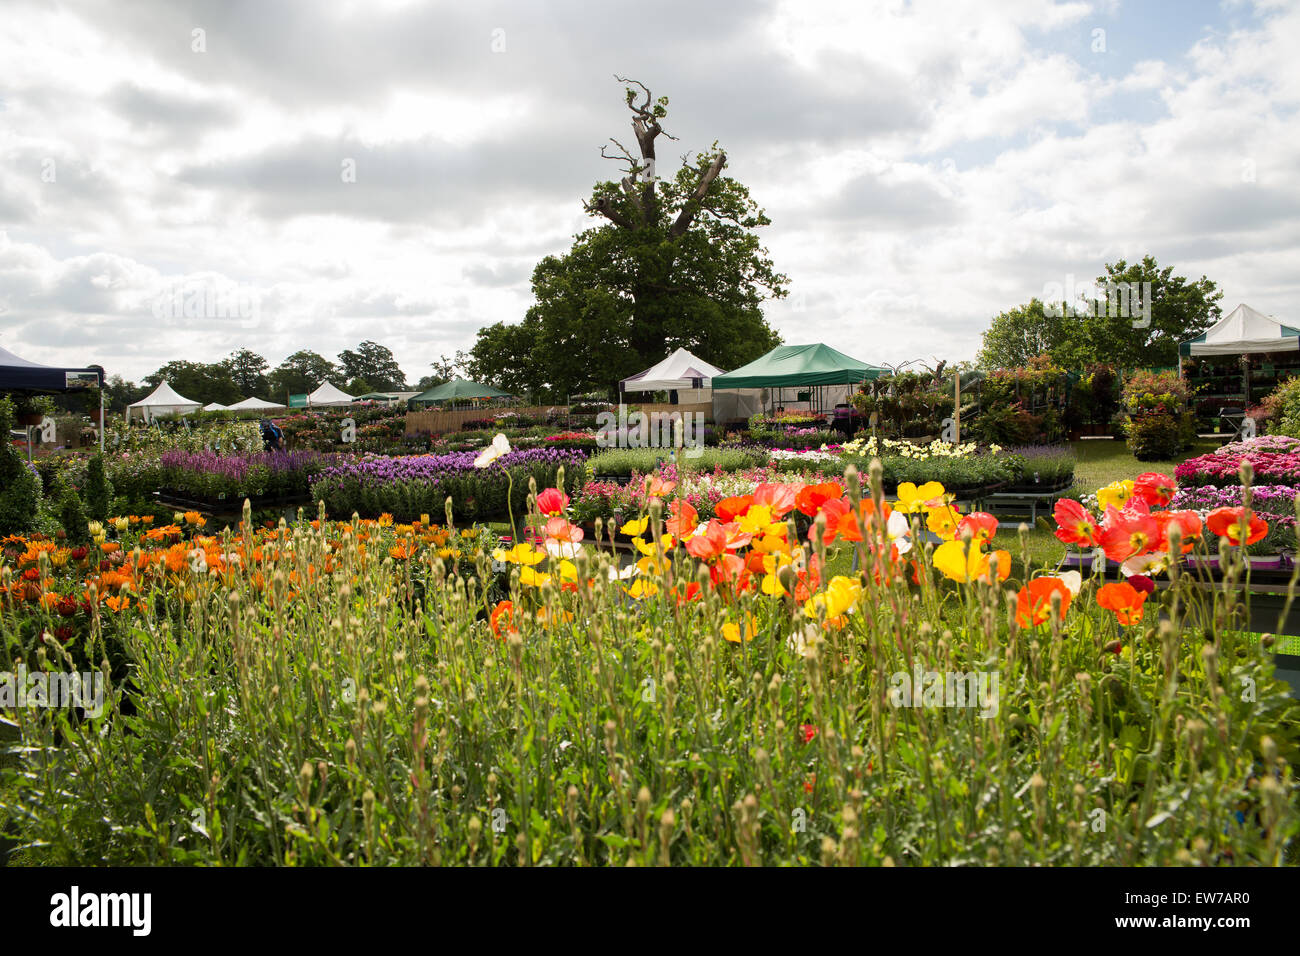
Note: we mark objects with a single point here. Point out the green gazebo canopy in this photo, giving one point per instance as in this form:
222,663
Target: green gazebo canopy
458,390
794,365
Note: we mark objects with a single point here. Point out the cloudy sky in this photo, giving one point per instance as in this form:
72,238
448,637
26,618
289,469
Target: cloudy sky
392,169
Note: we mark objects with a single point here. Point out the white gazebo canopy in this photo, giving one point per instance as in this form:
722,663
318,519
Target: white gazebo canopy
327,394
681,370
255,405
162,402
1241,331
215,407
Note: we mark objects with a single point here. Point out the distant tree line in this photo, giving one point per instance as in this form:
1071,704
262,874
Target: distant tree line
370,367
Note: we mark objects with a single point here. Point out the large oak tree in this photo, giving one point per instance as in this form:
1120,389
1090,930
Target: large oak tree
675,262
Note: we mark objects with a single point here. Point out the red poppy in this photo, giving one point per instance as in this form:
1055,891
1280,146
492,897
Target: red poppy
847,526
809,732
1126,534
1034,602
809,581
710,544
1189,527
1155,489
692,592
729,569
832,510
684,519
810,498
778,498
1227,523
1142,583
1075,525
982,525
552,502
1124,599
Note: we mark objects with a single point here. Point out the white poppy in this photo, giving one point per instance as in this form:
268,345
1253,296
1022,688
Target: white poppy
1156,562
622,574
1073,580
500,446
562,549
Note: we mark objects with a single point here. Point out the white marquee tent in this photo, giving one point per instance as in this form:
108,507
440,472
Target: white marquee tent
327,394
255,405
162,402
215,407
1242,331
678,371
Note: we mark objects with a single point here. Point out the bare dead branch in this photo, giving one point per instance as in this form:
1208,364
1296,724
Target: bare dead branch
604,207
692,206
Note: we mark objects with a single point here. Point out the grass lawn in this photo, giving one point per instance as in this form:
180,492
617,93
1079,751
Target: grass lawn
1101,461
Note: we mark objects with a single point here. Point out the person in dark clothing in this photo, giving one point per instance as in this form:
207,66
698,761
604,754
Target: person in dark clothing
272,436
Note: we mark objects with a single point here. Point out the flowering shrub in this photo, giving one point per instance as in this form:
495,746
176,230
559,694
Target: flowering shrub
1276,444
959,466
1275,504
409,486
1218,468
1158,424
159,436
261,474
626,461
20,485
1282,409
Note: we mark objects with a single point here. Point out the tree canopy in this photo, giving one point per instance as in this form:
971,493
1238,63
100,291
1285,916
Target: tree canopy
301,372
675,263
198,381
373,364
1136,317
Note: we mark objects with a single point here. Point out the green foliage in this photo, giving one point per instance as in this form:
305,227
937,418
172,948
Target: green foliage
99,489
20,485
372,365
389,725
70,511
1158,423
303,371
1111,331
198,381
247,370
1283,407
626,461
1027,332
908,405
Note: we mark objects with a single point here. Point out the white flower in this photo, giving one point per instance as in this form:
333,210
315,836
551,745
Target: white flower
500,446
616,574
562,549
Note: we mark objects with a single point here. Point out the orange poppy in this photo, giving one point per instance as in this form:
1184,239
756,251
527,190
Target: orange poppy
503,610
810,498
1124,599
1034,602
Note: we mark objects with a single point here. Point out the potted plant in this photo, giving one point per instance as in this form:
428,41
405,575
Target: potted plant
28,412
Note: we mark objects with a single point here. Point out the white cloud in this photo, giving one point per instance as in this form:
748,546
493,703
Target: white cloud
925,164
